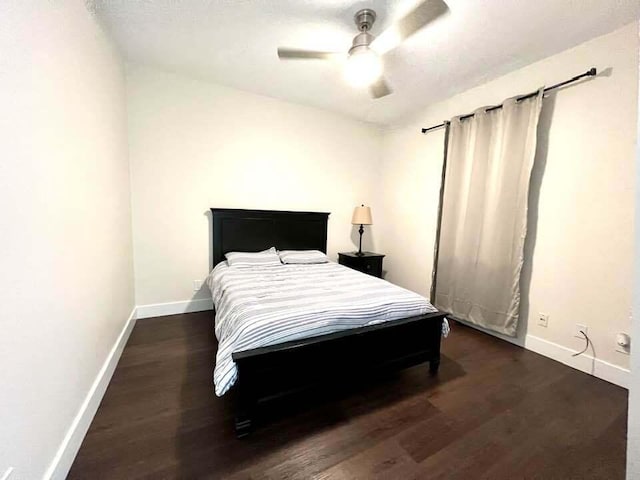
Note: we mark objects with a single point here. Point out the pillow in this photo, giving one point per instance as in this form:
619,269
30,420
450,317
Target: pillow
302,256
266,258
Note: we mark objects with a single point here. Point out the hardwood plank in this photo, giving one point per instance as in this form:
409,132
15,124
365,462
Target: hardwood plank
495,411
384,460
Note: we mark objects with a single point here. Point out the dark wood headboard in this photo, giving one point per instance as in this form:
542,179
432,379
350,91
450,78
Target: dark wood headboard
256,230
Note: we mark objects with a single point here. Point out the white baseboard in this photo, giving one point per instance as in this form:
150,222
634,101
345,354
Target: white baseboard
174,308
70,445
585,363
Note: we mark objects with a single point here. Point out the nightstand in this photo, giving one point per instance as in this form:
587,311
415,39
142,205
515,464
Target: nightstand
368,262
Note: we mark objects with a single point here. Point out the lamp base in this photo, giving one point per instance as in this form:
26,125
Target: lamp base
359,254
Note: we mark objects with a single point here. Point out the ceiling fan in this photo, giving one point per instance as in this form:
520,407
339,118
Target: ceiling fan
363,67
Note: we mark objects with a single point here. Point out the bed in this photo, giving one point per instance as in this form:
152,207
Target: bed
296,326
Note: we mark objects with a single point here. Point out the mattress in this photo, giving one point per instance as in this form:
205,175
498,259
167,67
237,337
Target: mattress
266,305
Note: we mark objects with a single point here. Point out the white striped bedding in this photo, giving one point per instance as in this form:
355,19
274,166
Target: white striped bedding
261,305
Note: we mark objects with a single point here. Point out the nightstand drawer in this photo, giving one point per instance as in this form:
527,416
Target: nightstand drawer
370,263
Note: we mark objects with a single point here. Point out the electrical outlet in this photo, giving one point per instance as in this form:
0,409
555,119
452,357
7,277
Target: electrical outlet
543,319
7,474
197,285
623,343
577,332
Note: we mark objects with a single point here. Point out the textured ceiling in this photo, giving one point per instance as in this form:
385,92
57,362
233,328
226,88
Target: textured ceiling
233,42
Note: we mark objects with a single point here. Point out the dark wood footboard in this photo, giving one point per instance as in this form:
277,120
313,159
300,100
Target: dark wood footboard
270,372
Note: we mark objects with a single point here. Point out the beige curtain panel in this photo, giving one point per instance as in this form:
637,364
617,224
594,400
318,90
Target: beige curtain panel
484,214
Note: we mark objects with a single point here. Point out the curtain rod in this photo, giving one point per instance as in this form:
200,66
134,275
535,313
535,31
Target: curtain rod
589,73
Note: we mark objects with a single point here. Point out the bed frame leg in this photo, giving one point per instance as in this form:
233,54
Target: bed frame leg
243,425
245,406
434,365
244,417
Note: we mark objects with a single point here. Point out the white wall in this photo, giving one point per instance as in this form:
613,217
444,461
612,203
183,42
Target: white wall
66,286
196,145
633,430
66,280
581,207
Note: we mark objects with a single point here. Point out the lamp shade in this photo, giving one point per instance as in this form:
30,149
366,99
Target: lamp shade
361,216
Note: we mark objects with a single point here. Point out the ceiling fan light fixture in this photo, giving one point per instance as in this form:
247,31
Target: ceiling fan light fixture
363,68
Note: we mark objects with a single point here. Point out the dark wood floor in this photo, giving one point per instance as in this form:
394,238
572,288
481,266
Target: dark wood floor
495,411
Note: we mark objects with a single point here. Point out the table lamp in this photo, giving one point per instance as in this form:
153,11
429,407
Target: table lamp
361,216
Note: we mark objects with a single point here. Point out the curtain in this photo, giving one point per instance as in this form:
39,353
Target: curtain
484,214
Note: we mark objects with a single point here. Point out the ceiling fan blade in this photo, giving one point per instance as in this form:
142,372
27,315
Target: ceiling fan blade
294,54
422,15
380,88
